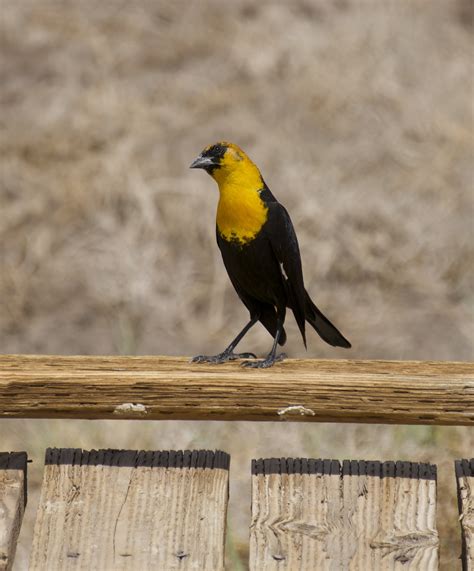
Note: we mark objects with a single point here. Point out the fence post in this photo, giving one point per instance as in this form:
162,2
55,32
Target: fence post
124,509
316,514
12,503
465,488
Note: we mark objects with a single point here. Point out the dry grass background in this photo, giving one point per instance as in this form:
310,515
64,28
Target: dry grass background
359,116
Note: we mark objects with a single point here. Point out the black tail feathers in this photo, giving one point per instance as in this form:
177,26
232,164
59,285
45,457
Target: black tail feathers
326,330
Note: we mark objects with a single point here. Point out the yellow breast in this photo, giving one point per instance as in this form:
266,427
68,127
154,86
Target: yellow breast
240,214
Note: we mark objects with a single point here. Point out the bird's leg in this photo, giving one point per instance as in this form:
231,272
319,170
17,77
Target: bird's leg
228,354
272,357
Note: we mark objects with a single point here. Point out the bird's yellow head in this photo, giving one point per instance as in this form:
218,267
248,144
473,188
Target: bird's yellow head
241,212
228,164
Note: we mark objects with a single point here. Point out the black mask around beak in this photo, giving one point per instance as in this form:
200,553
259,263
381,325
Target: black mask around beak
206,163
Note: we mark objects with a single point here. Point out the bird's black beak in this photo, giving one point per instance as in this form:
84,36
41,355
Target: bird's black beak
203,163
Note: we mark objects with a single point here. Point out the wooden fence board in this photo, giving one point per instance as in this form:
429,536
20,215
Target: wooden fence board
12,503
131,510
400,392
317,514
465,488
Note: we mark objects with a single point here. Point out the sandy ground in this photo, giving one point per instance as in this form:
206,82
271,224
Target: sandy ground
359,115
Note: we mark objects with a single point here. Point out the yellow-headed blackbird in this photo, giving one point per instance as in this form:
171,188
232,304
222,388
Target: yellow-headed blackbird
260,251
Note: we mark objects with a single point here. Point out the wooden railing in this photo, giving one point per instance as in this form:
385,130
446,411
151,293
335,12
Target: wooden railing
118,509
390,392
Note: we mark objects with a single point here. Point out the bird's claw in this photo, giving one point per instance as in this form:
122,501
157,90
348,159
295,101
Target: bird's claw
246,356
216,359
265,363
222,357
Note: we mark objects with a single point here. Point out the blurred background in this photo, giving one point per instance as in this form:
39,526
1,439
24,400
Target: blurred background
359,115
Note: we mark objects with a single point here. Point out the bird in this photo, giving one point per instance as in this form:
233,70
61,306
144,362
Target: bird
261,254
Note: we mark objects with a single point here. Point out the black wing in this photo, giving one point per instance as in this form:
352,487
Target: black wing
265,310
281,234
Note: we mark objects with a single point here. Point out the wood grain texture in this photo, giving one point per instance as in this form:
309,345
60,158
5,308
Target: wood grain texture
317,514
12,503
129,510
465,488
396,392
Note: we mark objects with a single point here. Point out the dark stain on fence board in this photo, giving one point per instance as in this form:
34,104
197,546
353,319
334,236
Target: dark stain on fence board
126,509
465,488
12,503
318,514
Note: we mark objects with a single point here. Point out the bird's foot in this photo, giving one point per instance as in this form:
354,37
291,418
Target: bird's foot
265,363
223,357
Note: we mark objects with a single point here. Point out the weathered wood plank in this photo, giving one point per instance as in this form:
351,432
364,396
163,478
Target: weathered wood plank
131,510
405,392
465,488
317,514
12,503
